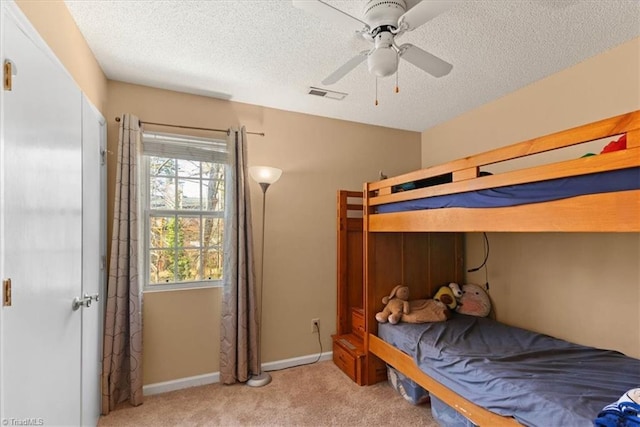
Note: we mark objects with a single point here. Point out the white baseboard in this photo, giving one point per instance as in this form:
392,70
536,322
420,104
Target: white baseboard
180,383
214,377
296,361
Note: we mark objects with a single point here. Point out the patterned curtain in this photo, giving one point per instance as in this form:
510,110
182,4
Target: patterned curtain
239,357
122,354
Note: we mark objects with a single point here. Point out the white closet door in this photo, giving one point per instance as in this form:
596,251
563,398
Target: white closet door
42,236
93,142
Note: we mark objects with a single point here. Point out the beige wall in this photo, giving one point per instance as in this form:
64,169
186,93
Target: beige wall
318,157
583,287
56,26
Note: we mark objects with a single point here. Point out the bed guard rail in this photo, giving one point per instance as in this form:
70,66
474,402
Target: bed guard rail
464,174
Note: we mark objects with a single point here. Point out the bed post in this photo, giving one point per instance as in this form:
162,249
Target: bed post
375,369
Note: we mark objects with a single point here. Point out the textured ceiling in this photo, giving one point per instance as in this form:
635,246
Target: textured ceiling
269,53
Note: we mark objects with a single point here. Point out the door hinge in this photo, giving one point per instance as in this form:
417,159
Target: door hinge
8,74
6,292
103,157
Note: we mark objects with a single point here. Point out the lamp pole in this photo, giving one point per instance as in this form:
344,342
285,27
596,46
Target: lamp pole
265,176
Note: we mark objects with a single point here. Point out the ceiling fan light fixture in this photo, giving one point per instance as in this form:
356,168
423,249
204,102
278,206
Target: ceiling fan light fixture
383,62
384,21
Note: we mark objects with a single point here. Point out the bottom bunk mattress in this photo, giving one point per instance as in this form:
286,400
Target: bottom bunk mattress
537,379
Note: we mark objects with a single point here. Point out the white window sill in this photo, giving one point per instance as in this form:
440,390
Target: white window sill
181,287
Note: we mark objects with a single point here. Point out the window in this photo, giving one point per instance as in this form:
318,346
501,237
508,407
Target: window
183,206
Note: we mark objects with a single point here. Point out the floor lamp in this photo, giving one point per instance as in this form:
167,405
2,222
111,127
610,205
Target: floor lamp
265,176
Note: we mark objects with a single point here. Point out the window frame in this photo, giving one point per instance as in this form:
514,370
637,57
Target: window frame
147,213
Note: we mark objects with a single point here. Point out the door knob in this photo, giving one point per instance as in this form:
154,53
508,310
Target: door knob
85,301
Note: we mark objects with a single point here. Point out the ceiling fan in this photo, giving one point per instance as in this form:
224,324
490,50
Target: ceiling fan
384,21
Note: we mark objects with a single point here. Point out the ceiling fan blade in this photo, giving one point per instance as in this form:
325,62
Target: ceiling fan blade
346,68
424,60
324,10
423,12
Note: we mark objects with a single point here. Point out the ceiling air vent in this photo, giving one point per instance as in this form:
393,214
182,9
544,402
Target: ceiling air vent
324,93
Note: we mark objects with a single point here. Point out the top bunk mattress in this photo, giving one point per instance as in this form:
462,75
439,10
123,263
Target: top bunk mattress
520,194
537,379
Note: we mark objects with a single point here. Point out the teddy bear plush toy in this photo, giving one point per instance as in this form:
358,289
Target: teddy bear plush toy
475,301
396,304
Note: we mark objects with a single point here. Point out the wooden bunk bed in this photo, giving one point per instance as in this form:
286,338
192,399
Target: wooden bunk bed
392,237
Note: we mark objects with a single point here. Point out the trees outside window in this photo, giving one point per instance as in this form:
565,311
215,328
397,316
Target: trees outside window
184,218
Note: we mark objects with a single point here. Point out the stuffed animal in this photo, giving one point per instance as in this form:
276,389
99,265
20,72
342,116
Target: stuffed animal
474,301
447,295
396,305
457,292
426,310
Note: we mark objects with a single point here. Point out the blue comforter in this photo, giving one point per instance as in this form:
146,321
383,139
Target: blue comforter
538,379
521,194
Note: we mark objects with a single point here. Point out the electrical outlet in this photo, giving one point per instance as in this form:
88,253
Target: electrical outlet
315,326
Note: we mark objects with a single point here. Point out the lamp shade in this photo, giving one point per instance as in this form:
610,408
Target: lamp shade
265,174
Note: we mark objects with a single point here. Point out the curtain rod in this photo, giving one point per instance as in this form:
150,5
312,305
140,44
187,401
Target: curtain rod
191,127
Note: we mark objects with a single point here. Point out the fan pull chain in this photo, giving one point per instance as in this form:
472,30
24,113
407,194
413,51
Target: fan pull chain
376,91
397,71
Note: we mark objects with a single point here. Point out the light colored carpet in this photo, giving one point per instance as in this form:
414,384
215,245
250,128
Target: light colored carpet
312,395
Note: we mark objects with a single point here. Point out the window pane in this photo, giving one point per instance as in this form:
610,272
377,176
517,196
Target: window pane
213,194
213,228
188,168
189,194
163,193
162,166
212,264
208,170
189,228
161,266
184,245
188,264
213,170
162,232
